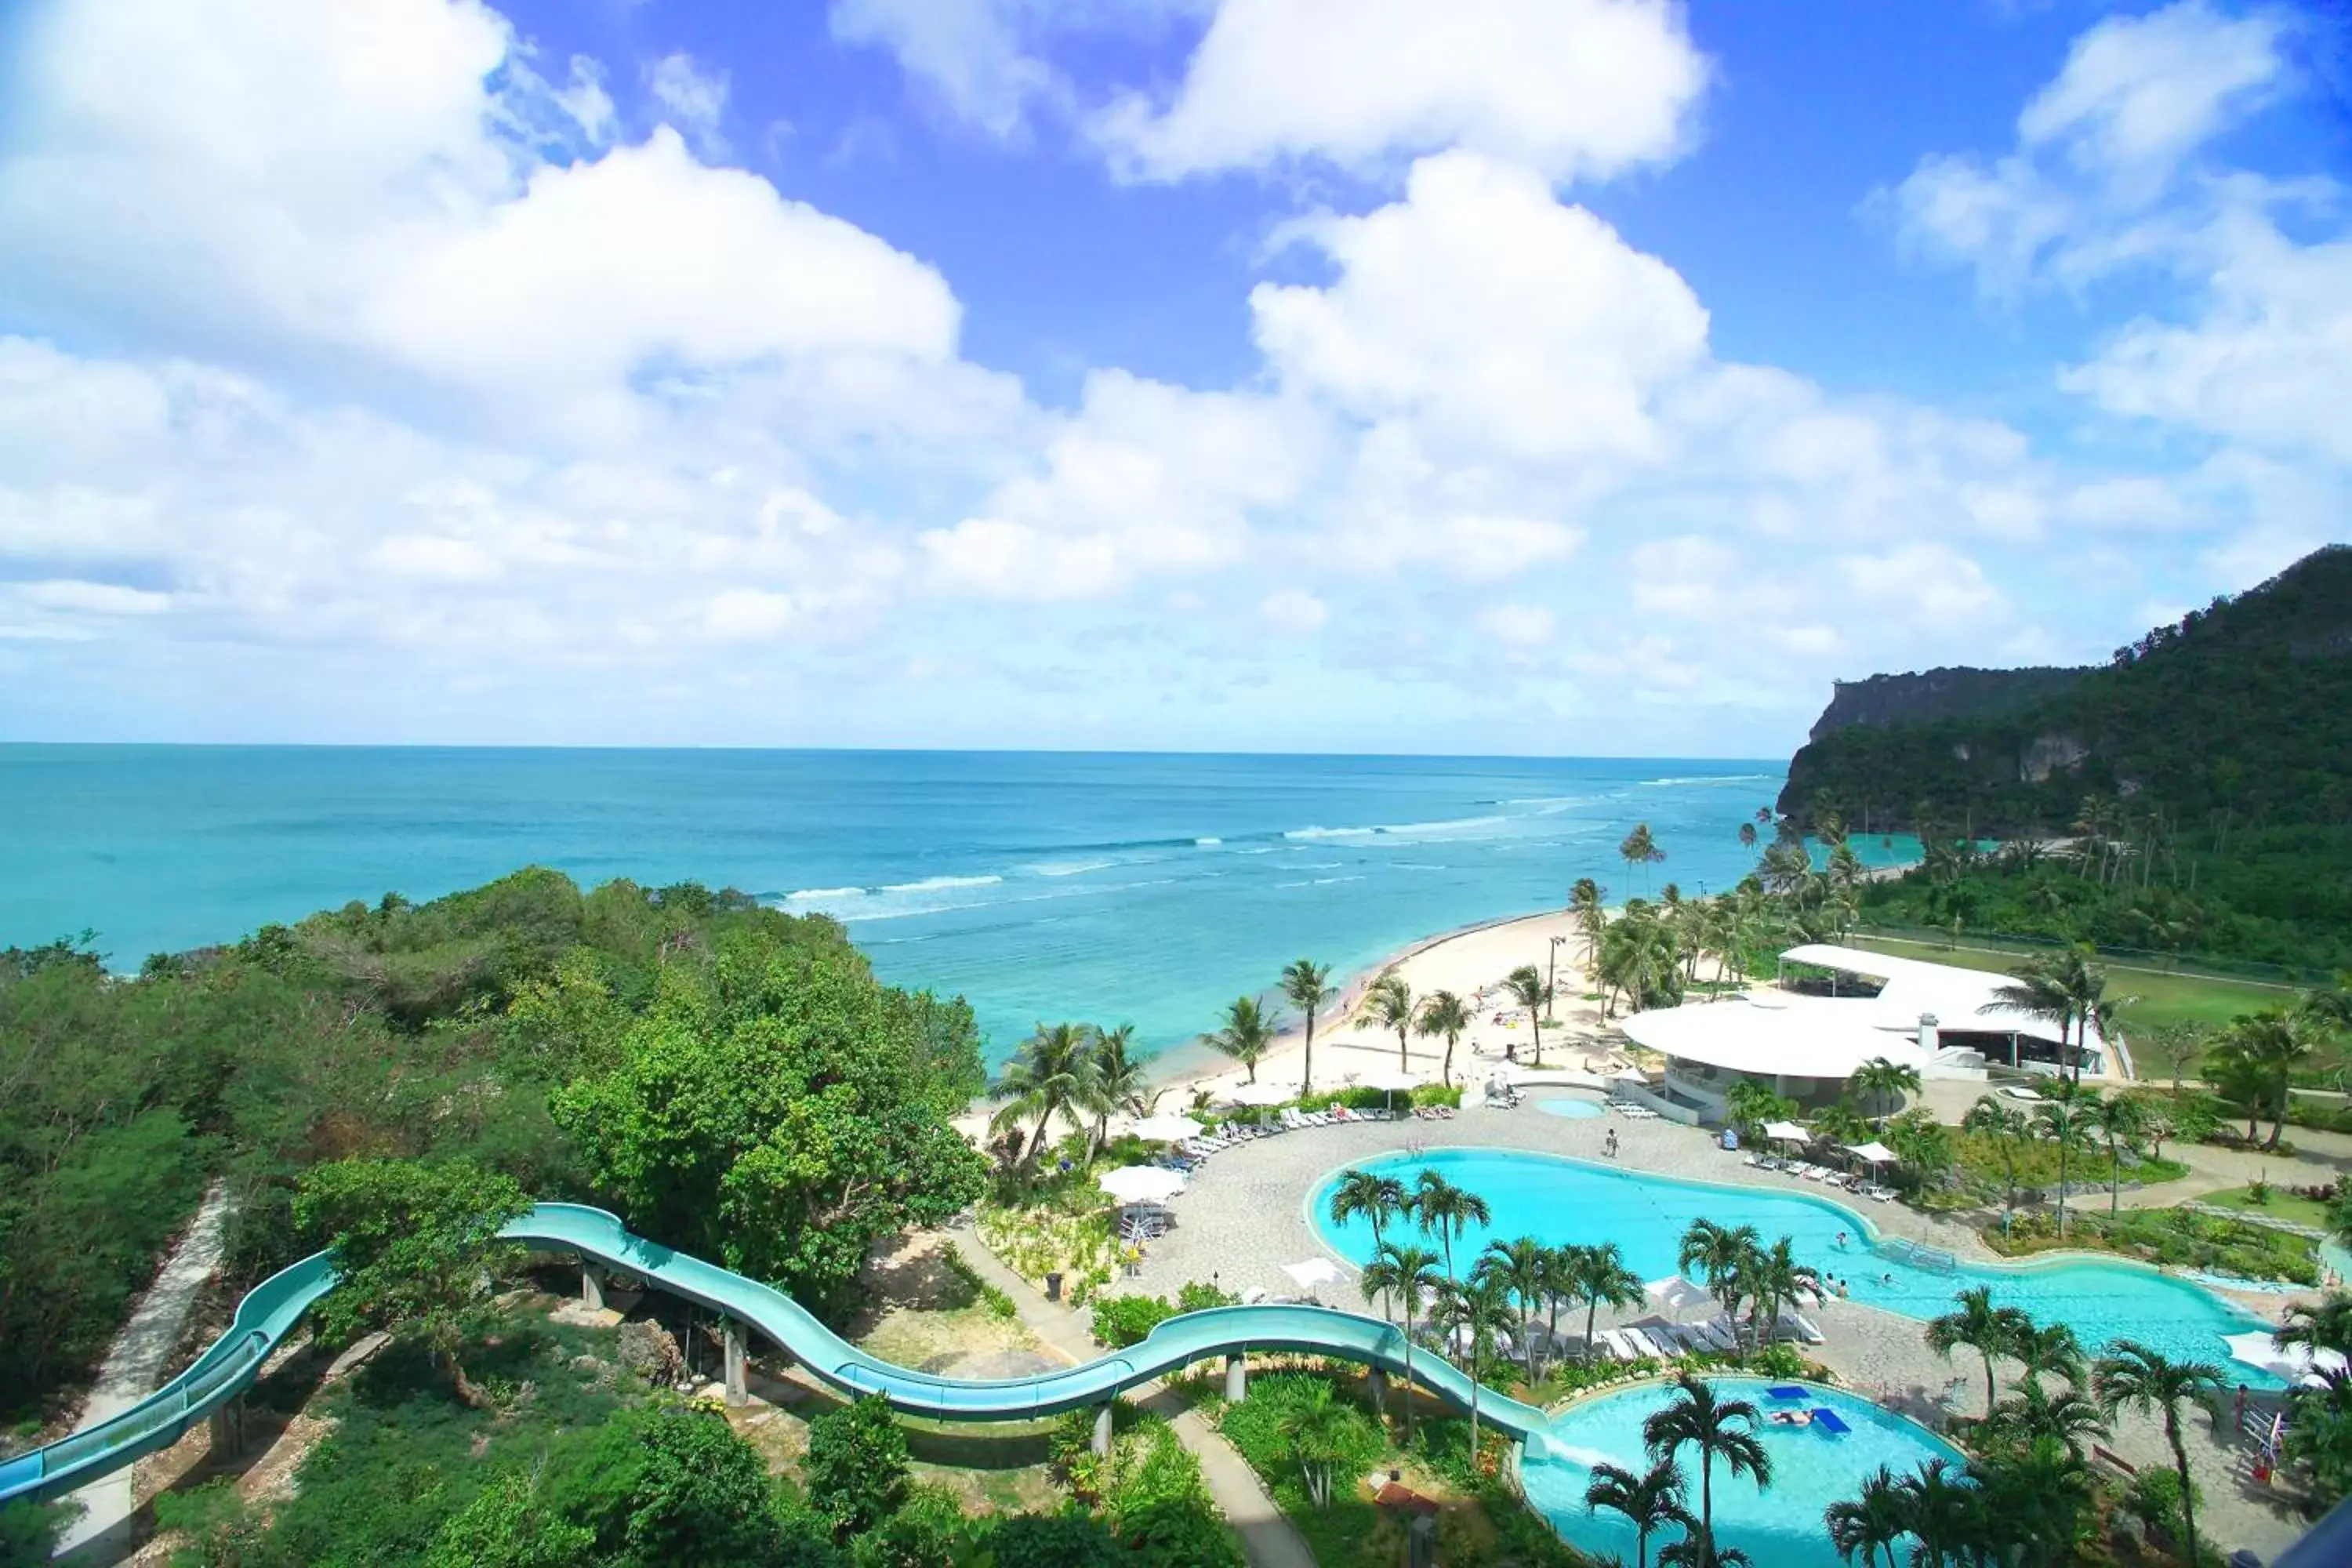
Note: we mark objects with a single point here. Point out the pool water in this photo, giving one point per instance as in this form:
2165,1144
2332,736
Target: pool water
1779,1527
1573,1108
1559,1200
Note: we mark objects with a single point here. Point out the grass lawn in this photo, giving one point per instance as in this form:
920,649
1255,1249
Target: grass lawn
2165,997
2294,1211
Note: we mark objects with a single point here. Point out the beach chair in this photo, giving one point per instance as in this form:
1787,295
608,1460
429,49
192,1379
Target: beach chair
1718,1333
1616,1344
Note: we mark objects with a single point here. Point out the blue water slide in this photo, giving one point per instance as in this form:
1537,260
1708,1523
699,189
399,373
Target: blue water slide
268,1313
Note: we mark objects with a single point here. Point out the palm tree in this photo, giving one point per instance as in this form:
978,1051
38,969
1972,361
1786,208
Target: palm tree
1477,1311
1528,990
1305,987
2120,1120
1750,1106
1722,1259
1640,848
1774,1278
1748,836
1601,1276
2009,1129
1387,1004
1377,1198
2065,989
1310,1423
1408,1274
2265,1048
1443,1013
1721,1429
1871,1523
2033,1412
2047,1350
2324,1325
2064,1123
1121,1082
1052,1074
1883,1083
1698,1550
1247,1034
1592,918
2032,1496
1984,1328
2132,1375
1521,1268
1650,1501
1445,1210
1940,1509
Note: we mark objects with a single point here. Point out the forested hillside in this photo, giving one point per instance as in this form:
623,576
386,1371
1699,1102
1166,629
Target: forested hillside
2203,779
663,1051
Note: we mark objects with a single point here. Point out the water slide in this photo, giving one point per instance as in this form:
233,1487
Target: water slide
269,1312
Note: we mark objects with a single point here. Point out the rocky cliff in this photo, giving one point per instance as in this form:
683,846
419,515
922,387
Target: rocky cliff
1960,692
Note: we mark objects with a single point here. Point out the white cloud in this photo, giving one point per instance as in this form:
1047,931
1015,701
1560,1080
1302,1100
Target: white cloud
968,52
1517,625
2139,93
1293,612
1574,88
693,99
1500,318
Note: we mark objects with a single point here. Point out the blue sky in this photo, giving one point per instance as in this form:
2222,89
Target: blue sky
1555,375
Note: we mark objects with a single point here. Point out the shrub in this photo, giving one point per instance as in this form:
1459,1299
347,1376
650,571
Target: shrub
1195,1296
1121,1320
929,1530
857,1466
1438,1094
2155,1501
1052,1540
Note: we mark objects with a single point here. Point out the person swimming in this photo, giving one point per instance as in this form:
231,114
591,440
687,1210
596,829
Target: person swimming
1791,1418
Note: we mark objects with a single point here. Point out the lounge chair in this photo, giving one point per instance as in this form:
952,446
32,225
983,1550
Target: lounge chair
1616,1344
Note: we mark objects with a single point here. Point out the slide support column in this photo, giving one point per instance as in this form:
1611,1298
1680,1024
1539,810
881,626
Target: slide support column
591,1285
1380,1382
737,1392
228,1429
1236,1378
1102,1432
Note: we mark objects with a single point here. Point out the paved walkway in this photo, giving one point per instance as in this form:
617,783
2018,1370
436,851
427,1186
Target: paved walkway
1266,1535
134,1365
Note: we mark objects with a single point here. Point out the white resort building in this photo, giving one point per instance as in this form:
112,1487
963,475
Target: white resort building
1804,1037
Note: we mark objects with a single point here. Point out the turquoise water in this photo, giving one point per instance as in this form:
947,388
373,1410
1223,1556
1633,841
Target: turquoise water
1150,889
1561,1201
1779,1527
1572,1108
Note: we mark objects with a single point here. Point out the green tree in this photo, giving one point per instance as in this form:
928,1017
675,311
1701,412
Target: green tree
1721,1257
1445,1210
1305,985
668,1485
2132,1376
1378,1198
505,1526
1389,1005
1121,1080
1474,1314
1584,901
1600,1276
1055,1073
1751,1106
1521,1268
1527,989
1246,1035
1409,1276
2265,1050
413,1244
2033,1414
1869,1524
1940,1508
786,1119
1443,1013
1774,1278
1052,1540
1639,847
1881,1083
2066,1124
1650,1501
2009,1129
1719,1429
2119,1120
1991,1331
857,1468
2047,1350
1315,1425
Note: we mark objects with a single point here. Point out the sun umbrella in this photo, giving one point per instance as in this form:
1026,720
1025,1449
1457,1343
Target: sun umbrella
1674,1294
1390,1081
1142,1183
1313,1271
1168,1127
1877,1154
1786,1133
1258,1094
2292,1362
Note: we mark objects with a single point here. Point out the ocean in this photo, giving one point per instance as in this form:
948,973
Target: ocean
1148,890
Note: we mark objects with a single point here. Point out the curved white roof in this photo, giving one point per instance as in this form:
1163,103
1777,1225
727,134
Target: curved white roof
1958,997
1774,1032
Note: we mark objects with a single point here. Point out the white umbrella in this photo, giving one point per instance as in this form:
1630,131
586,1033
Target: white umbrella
1877,1154
1675,1294
1785,1133
2292,1362
1313,1271
1390,1081
1259,1094
1142,1183
1168,1127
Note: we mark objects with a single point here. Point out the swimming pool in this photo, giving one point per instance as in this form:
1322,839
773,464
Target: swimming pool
1559,1200
1572,1107
1779,1527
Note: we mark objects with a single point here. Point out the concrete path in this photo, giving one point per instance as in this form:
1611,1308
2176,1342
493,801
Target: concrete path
134,1366
1267,1536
